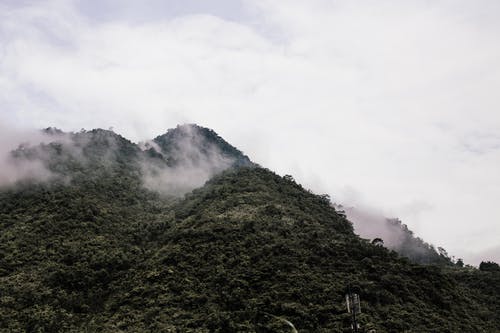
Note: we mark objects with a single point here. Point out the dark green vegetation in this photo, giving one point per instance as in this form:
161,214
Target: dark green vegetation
95,251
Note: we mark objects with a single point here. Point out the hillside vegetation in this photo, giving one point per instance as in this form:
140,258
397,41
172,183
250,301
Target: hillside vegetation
94,250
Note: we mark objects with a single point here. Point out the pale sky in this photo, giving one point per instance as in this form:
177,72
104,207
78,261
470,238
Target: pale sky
393,105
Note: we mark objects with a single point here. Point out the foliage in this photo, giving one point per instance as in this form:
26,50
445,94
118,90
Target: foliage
97,252
489,266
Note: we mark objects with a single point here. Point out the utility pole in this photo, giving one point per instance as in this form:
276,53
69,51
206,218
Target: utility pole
353,307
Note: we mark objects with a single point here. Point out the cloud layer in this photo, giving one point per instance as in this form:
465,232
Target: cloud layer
394,100
192,162
12,169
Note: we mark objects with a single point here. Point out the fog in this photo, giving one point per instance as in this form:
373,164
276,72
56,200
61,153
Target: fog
188,164
194,162
14,169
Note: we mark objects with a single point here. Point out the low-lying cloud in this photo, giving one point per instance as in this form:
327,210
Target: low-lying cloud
187,161
370,223
188,164
18,169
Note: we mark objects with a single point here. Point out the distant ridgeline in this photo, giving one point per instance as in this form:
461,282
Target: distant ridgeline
184,233
419,251
393,234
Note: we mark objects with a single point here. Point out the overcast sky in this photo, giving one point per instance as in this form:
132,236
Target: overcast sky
389,104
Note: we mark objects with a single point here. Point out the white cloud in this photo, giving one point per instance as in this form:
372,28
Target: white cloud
396,100
195,163
13,170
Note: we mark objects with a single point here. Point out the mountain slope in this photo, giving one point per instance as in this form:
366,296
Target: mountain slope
250,244
95,250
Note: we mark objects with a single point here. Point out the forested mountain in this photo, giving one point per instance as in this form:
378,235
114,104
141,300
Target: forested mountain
119,238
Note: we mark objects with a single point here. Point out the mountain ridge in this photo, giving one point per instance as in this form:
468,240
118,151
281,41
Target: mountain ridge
98,250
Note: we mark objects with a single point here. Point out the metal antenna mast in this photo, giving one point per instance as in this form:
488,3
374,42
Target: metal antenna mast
353,307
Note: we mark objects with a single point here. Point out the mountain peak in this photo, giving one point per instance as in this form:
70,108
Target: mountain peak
191,141
183,158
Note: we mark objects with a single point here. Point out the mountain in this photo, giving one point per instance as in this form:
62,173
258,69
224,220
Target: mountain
196,143
95,247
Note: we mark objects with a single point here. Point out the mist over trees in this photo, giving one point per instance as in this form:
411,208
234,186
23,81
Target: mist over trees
395,235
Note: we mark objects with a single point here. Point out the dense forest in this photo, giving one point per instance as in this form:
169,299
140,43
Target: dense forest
95,248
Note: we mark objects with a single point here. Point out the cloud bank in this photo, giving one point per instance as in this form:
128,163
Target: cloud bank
14,170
